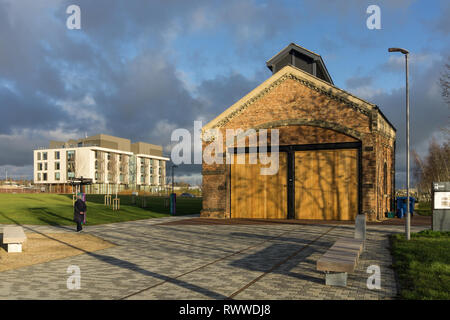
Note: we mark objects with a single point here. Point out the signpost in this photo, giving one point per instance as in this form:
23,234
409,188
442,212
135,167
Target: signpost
441,206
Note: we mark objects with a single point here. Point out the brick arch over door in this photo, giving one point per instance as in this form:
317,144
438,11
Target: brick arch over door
314,123
297,134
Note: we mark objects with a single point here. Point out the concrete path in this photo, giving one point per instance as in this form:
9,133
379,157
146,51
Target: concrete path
153,260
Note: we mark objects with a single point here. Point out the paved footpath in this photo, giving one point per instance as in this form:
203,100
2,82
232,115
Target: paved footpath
153,260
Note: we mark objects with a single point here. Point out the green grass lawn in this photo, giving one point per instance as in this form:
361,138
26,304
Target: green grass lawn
424,209
423,264
55,209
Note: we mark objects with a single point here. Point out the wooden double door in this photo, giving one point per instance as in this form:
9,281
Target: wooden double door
310,184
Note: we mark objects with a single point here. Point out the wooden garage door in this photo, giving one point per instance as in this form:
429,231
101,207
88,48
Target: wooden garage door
258,196
326,184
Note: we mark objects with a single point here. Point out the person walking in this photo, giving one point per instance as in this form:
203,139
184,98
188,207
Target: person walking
79,211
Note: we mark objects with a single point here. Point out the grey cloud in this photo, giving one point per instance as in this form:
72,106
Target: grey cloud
49,66
442,24
358,81
428,113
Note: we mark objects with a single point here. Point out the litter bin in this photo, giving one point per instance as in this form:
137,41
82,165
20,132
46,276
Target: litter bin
173,203
401,206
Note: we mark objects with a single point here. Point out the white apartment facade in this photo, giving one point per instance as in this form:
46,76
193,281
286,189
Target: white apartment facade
110,169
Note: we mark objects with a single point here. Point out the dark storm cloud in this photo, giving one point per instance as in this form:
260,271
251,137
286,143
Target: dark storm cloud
221,92
118,74
428,113
56,83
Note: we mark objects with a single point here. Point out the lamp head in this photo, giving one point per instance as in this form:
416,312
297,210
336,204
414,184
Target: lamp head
404,51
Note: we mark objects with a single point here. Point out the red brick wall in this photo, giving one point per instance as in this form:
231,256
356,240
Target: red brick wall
305,116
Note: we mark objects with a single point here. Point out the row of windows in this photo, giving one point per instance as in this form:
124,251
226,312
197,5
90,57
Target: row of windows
152,179
108,156
44,155
43,166
121,168
121,178
97,166
43,176
151,170
160,162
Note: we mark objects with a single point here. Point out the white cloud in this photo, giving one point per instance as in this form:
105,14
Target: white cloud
366,92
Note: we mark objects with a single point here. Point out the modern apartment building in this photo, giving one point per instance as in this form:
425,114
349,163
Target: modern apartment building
113,164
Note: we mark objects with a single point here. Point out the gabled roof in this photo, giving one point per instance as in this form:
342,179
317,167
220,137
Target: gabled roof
312,55
290,72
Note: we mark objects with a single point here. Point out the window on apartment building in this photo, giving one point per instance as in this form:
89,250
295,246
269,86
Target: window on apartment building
57,166
159,170
109,165
108,155
96,165
44,155
142,161
151,162
96,175
45,166
142,178
121,177
57,176
39,166
121,168
57,155
70,170
39,177
71,155
120,157
151,170
44,176
39,156
96,154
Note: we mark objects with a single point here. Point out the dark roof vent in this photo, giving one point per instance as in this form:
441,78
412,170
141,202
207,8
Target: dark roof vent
300,58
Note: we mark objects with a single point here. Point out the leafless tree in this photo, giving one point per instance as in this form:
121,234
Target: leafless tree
434,167
445,83
445,86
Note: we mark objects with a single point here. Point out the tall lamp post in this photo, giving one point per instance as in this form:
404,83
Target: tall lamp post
173,167
408,218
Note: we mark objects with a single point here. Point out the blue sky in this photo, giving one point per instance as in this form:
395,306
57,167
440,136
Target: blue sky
140,69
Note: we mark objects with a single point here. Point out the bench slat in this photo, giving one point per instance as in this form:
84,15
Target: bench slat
351,244
336,265
343,256
13,235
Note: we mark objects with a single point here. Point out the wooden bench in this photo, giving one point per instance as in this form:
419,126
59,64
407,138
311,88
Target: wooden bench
340,259
13,237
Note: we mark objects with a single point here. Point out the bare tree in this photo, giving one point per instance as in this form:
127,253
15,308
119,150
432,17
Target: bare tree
445,84
445,87
434,167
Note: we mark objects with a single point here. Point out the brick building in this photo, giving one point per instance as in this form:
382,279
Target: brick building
336,151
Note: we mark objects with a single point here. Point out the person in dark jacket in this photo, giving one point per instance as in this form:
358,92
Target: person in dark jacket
79,210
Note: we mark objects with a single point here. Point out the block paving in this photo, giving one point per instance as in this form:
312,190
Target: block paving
154,259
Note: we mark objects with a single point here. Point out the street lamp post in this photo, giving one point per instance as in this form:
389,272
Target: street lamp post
408,218
173,166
